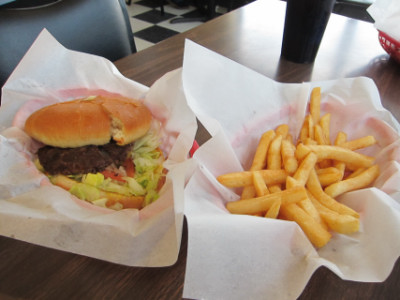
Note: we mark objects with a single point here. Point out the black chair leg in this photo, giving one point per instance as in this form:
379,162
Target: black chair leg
208,11
162,7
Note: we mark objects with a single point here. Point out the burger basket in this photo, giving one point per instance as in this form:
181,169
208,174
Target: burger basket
391,46
35,211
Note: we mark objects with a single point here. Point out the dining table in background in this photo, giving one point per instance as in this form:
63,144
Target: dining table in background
251,36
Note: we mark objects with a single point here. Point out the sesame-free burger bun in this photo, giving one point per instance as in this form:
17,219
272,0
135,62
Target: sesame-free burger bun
90,121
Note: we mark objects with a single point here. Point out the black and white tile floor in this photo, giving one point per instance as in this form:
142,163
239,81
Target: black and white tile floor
150,27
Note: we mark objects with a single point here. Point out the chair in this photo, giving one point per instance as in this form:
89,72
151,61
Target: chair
100,27
160,3
356,9
206,7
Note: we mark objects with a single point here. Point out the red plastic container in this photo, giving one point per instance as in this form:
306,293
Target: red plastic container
390,45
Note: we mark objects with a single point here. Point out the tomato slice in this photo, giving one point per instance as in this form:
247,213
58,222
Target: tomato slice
129,167
113,175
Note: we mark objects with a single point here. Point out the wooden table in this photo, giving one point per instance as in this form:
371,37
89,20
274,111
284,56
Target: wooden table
251,36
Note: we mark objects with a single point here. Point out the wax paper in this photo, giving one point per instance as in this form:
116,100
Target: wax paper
33,210
246,257
386,14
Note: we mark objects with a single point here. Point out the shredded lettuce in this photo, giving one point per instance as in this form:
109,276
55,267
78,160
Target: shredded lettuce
147,143
93,179
100,202
136,188
150,197
85,191
147,159
111,186
97,180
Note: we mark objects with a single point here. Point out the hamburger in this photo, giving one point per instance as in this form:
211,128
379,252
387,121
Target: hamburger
102,149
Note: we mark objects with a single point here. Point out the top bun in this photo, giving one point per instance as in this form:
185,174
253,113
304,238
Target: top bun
90,121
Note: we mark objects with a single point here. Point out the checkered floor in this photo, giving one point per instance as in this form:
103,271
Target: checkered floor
150,27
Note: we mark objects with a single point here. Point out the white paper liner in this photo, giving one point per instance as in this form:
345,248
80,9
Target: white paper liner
245,257
33,210
386,14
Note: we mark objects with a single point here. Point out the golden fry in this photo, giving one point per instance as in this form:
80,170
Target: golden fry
259,184
274,154
341,138
358,182
259,160
303,133
260,204
275,159
341,154
319,135
315,104
344,224
260,157
314,187
289,138
315,232
248,192
324,122
282,130
273,211
301,151
321,140
310,141
310,122
289,160
306,204
329,175
355,173
307,130
341,166
291,182
305,168
360,143
241,179
310,209
275,188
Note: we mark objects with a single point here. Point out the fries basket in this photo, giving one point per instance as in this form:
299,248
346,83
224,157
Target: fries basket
391,46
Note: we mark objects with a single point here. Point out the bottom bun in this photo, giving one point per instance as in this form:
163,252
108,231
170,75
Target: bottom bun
112,200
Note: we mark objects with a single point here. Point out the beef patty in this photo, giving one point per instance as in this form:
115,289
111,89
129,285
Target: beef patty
82,160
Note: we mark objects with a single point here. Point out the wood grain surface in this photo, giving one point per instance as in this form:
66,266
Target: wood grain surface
251,36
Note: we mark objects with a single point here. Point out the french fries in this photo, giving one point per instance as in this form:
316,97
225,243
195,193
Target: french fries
317,235
365,178
315,104
241,179
300,180
289,161
259,161
260,186
338,153
263,203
